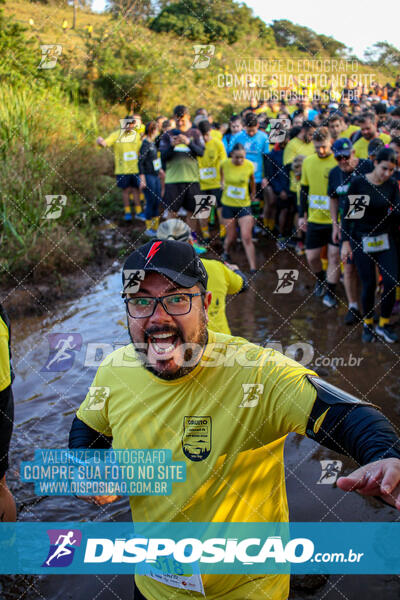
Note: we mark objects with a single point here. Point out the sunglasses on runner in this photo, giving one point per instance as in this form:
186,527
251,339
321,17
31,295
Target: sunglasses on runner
142,307
342,157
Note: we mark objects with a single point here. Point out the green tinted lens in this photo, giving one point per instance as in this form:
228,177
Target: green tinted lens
178,304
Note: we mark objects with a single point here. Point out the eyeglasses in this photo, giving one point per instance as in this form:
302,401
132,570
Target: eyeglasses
175,305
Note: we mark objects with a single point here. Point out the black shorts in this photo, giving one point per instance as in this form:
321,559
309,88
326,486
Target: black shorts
289,203
179,195
217,192
318,236
126,181
235,212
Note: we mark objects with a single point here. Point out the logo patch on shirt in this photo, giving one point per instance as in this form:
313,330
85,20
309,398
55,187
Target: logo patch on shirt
197,437
251,394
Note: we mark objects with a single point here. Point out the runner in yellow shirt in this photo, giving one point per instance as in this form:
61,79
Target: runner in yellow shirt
315,217
301,144
126,144
223,278
225,411
369,131
210,172
237,175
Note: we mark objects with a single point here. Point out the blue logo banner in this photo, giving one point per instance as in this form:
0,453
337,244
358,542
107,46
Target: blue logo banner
199,548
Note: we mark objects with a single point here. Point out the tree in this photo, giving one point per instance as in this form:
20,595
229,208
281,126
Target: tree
131,9
210,21
301,38
383,53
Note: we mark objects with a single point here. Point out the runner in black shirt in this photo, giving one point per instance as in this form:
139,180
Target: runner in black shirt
340,177
371,210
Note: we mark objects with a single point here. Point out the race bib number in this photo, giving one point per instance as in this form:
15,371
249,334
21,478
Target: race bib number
182,148
376,243
208,173
170,572
131,155
157,164
321,202
238,193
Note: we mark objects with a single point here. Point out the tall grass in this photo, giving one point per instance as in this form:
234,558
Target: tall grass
47,148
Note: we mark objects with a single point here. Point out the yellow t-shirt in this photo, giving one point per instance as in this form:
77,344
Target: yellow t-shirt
347,133
236,183
221,281
296,147
210,163
5,374
126,151
246,414
216,134
315,174
361,145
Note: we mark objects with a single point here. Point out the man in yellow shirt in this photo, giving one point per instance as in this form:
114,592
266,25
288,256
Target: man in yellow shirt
210,173
126,144
224,279
369,131
301,144
315,216
337,127
7,504
224,406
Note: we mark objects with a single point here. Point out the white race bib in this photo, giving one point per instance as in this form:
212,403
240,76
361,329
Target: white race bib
376,243
157,164
208,173
169,574
321,202
238,193
131,155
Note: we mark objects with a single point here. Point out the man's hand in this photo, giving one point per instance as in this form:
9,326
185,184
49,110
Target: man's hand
264,183
100,141
346,252
302,224
184,139
335,233
380,478
99,500
142,184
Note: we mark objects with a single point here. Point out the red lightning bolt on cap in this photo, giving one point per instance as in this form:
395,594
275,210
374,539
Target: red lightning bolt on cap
153,250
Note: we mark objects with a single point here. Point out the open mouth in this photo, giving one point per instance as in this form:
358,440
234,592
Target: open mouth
163,344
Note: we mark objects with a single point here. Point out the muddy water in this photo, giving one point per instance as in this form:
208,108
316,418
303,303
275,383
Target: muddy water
45,402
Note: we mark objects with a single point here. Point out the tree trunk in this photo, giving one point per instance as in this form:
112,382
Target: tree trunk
75,11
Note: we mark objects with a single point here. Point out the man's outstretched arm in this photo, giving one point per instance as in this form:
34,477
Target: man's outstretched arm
357,429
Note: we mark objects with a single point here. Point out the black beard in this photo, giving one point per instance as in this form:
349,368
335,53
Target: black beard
201,340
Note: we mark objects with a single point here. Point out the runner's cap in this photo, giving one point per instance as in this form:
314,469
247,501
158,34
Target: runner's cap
342,147
176,260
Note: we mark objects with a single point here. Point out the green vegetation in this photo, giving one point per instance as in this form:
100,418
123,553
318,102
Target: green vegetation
50,118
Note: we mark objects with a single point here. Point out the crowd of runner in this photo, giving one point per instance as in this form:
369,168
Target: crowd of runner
321,179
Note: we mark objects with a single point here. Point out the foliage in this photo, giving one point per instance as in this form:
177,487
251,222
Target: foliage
303,39
210,21
383,54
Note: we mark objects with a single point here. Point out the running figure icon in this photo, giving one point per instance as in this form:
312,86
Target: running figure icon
62,550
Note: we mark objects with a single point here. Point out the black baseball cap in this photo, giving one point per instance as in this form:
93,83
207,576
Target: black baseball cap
176,260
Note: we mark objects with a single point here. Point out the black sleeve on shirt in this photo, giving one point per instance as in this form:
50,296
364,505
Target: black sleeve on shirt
166,149
303,206
144,148
345,223
332,184
6,427
356,430
83,436
196,146
245,285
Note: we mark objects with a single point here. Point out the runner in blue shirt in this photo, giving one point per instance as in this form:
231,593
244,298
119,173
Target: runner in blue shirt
256,145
